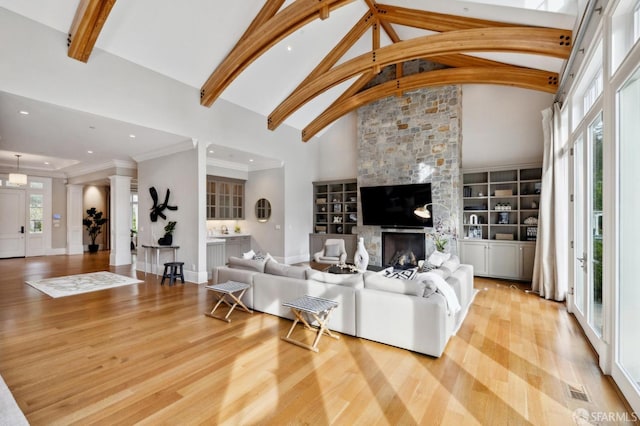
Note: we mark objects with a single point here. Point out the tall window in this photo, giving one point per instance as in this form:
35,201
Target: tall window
636,22
629,176
593,91
36,213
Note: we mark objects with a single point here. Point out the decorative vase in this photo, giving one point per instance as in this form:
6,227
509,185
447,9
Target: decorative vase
167,240
361,257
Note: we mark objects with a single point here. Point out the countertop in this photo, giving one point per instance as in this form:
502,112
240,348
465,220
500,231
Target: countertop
229,235
216,240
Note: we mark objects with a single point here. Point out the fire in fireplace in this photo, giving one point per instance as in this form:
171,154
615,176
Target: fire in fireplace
402,250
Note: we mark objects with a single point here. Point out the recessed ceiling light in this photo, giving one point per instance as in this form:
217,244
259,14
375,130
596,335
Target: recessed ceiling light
211,151
289,48
132,136
23,112
89,152
46,163
251,160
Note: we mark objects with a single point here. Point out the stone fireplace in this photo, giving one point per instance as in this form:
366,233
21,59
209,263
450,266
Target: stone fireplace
402,250
413,138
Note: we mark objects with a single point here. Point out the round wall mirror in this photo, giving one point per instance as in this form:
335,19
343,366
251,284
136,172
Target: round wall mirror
263,210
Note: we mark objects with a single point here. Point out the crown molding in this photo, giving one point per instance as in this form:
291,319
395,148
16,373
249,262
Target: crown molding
167,150
227,164
84,169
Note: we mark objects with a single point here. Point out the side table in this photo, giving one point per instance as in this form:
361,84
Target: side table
317,308
230,288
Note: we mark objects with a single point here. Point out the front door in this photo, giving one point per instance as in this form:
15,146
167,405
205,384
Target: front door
12,223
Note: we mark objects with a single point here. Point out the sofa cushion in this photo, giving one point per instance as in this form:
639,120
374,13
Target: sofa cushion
283,270
246,264
347,280
375,281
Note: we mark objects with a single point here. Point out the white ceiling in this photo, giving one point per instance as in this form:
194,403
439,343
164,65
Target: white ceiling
187,40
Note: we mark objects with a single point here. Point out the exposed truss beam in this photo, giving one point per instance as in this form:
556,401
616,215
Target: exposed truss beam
339,50
510,76
282,24
432,21
541,41
268,11
86,26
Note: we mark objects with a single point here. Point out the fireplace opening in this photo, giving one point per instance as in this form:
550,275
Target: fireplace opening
402,250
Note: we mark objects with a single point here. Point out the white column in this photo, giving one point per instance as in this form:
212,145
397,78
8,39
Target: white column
120,220
74,219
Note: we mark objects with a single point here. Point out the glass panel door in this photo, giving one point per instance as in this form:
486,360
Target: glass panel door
588,229
595,216
628,336
580,267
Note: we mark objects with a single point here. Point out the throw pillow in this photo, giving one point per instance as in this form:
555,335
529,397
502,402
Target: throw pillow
248,255
452,264
437,258
332,250
405,274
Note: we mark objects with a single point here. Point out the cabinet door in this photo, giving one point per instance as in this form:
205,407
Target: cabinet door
527,259
504,260
474,253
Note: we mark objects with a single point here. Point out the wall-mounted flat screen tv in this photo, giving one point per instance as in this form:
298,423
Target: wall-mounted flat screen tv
392,206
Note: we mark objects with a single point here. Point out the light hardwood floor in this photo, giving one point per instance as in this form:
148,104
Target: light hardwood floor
146,354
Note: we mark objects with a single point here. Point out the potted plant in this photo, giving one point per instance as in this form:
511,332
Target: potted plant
93,223
167,240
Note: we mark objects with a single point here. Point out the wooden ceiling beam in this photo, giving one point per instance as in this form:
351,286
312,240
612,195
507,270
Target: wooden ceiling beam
86,26
512,76
263,37
432,21
339,50
268,11
541,41
459,60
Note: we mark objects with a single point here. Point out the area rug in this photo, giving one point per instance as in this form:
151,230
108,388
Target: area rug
81,283
10,413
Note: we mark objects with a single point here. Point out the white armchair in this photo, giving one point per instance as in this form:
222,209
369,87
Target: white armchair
333,252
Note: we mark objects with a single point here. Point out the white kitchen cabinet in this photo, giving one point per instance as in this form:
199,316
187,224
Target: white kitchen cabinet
504,260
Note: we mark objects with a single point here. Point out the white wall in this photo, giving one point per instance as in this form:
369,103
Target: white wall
338,157
502,125
35,65
176,173
267,237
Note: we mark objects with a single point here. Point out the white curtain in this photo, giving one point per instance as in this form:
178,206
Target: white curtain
550,272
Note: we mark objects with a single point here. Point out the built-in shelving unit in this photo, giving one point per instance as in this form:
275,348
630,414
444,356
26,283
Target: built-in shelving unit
335,207
500,221
501,204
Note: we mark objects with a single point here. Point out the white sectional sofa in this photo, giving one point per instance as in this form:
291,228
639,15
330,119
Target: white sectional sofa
371,306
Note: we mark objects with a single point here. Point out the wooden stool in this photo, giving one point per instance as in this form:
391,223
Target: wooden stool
173,270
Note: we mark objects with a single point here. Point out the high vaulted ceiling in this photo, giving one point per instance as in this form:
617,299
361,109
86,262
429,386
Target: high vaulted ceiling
305,63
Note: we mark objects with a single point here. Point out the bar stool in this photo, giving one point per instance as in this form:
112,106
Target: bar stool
173,270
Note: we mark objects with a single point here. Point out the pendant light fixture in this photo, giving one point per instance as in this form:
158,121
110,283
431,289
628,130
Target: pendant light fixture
18,178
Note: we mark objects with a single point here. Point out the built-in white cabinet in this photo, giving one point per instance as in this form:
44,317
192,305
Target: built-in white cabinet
499,259
500,221
475,253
